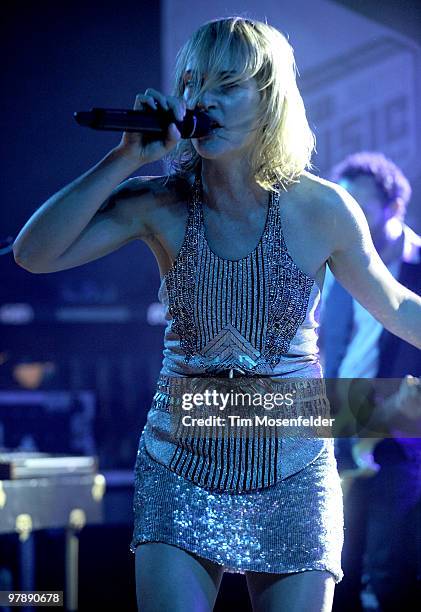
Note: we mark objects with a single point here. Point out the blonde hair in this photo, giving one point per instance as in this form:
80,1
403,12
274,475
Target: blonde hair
284,140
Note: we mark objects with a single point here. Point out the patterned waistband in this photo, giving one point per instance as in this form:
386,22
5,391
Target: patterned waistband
304,389
221,455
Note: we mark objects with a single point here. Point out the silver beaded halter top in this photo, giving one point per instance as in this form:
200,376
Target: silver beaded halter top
255,316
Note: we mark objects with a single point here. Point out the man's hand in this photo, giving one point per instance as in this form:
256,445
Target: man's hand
407,400
362,453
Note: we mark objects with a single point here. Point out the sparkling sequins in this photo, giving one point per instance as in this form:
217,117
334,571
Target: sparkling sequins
283,514
180,282
293,526
288,294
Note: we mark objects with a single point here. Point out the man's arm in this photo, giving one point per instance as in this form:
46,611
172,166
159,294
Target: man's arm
336,328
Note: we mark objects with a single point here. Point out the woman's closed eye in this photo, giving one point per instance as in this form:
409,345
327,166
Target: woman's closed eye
228,86
223,87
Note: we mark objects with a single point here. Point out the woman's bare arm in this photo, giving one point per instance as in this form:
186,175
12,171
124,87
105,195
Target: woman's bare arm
358,267
69,230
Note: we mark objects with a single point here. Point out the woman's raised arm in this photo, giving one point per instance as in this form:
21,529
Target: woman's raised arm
69,229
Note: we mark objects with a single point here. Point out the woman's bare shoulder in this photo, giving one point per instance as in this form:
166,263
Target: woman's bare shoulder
164,189
320,189
324,197
149,197
338,212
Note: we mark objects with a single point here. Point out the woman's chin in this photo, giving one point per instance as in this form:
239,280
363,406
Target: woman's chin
211,148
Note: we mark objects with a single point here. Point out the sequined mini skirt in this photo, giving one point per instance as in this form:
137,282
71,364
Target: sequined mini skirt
293,526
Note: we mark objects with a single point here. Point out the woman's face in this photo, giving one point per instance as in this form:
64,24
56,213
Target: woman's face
234,107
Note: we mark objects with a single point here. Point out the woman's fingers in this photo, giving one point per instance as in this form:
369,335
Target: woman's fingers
147,149
173,132
156,96
177,105
142,100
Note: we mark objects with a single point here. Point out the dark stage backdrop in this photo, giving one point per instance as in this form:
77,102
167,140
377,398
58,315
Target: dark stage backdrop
57,58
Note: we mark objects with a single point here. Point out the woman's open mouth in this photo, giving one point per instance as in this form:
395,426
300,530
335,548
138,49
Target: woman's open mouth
214,128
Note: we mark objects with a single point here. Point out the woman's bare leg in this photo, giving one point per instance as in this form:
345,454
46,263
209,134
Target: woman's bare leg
171,579
309,591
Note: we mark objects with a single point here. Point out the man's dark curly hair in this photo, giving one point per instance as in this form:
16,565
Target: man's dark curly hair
389,178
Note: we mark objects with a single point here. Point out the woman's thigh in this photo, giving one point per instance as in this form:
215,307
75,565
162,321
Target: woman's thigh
309,591
170,578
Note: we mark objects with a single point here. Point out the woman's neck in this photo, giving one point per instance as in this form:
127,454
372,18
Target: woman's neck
230,187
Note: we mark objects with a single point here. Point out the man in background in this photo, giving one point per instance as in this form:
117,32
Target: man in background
382,510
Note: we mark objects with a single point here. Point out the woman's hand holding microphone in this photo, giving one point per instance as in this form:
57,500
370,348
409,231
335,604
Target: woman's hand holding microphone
137,147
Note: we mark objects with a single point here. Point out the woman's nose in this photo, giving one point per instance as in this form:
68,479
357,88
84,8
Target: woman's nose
205,100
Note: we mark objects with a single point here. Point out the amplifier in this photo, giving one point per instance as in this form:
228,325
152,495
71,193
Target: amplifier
39,465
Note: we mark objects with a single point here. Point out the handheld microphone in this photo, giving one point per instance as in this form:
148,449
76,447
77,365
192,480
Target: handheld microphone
195,124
